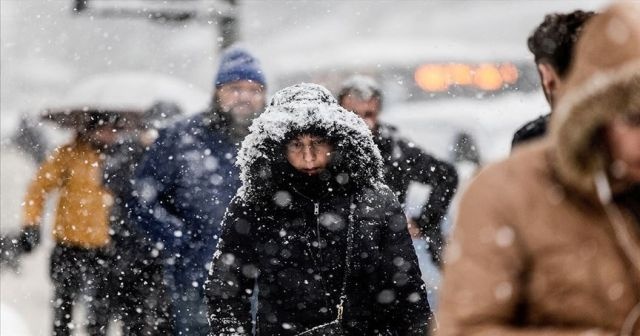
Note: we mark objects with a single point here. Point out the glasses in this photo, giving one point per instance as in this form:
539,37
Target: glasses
315,145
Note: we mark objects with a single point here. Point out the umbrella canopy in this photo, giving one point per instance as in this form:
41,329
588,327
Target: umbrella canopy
121,99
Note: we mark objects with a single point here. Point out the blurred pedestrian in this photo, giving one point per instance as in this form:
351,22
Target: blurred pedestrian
404,162
552,46
137,293
465,156
548,241
78,266
316,229
187,179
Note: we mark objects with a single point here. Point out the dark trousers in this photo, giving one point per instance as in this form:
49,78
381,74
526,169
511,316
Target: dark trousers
79,274
138,297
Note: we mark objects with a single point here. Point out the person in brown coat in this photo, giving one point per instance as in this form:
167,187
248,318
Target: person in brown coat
547,242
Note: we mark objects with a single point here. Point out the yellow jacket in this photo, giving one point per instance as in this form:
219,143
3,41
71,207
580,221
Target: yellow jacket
84,203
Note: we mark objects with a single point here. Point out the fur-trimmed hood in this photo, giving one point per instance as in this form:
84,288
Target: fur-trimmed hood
298,109
604,82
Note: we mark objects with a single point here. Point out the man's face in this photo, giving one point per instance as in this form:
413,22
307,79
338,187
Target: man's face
368,110
243,100
623,136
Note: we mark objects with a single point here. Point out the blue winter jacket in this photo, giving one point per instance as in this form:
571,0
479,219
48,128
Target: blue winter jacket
183,185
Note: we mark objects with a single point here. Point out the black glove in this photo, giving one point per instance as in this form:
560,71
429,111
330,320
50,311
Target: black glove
29,238
13,246
8,253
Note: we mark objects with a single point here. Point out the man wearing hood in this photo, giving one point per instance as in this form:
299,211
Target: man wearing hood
315,229
187,179
548,241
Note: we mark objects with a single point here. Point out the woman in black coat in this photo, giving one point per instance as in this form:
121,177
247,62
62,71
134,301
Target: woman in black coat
311,192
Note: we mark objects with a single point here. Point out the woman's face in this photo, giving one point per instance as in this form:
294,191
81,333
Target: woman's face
623,135
309,153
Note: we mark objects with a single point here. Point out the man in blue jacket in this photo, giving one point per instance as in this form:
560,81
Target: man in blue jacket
188,178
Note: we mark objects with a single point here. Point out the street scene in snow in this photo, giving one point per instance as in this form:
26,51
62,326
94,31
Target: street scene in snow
319,167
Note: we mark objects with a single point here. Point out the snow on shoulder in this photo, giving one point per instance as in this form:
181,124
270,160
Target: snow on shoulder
299,108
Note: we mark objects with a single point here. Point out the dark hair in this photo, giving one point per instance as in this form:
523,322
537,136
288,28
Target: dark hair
554,39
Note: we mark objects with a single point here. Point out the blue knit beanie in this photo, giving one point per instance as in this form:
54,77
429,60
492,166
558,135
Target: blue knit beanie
238,64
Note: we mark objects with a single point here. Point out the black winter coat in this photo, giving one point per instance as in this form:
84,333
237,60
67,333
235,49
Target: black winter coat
532,130
296,253
285,233
404,162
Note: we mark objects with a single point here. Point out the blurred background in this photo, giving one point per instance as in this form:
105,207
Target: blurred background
56,52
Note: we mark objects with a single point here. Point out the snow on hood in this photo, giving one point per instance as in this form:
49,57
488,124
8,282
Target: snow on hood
300,108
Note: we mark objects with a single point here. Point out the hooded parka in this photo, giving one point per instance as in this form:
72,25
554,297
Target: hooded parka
287,232
538,248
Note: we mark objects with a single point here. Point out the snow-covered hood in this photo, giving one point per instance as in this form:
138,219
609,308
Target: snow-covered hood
297,109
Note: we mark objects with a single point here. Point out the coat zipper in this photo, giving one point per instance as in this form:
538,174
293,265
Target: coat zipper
316,212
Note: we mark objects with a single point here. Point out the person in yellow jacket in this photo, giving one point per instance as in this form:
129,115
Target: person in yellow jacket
81,227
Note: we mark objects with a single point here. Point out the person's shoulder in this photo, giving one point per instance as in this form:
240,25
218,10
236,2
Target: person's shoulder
391,133
531,130
403,143
387,130
68,147
378,193
61,152
186,132
187,124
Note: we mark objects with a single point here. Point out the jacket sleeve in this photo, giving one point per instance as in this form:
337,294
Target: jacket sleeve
408,311
231,281
443,179
152,204
49,177
483,291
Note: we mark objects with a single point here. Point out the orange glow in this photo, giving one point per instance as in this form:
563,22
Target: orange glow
460,74
508,72
487,77
432,78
